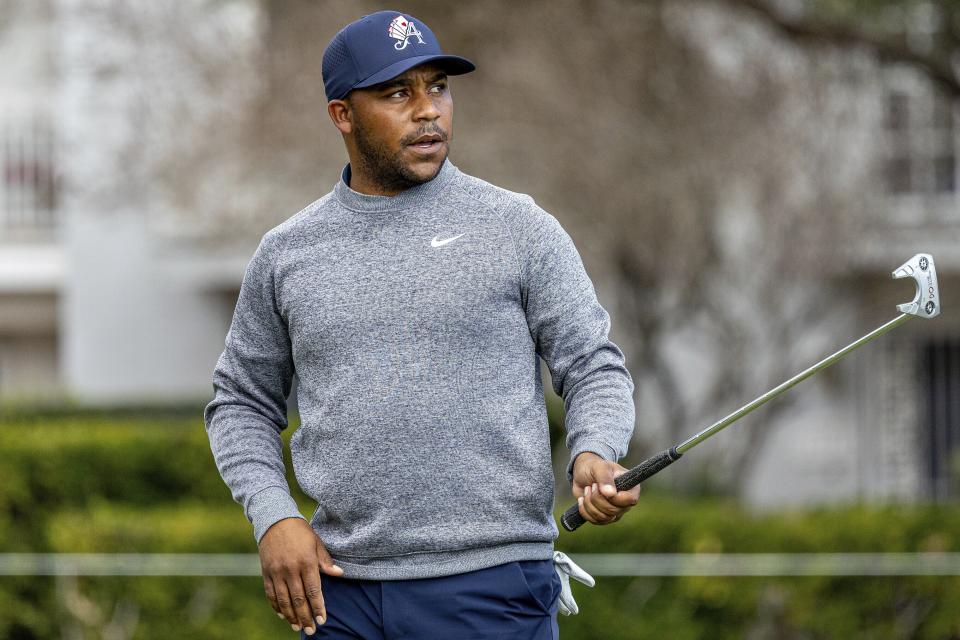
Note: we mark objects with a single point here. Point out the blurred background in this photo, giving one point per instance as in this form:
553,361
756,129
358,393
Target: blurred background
741,177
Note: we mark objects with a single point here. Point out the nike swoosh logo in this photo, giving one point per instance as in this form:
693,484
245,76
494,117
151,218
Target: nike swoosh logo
437,242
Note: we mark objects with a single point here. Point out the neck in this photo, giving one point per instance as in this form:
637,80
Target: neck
414,196
371,179
362,182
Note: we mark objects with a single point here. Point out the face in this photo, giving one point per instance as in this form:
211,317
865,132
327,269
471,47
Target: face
398,132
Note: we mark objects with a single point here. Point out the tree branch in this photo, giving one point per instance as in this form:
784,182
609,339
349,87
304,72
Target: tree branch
822,32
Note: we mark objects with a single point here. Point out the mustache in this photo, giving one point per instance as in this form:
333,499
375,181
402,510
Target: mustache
435,130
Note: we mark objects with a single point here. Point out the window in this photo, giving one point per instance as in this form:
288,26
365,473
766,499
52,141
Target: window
922,132
28,193
941,417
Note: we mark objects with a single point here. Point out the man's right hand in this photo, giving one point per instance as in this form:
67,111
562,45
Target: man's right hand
292,556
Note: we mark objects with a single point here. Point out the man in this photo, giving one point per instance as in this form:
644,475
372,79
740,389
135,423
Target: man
413,301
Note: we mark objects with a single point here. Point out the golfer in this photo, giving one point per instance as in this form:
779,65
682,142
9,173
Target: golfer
413,301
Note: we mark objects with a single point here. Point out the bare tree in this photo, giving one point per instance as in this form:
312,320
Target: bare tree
708,167
922,33
709,171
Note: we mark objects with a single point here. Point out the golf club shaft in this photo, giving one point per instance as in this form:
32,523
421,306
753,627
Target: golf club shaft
692,441
572,519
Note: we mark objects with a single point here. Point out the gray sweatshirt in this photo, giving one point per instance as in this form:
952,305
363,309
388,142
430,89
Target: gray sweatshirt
414,324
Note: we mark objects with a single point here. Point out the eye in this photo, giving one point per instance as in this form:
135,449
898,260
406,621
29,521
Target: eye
439,87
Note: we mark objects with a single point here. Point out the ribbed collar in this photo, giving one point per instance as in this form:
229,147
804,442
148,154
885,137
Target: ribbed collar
413,197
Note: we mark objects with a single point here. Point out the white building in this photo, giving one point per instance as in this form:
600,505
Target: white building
31,243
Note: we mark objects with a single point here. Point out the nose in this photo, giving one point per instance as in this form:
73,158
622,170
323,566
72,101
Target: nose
425,107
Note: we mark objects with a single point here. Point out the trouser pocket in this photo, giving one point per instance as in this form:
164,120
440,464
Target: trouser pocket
541,582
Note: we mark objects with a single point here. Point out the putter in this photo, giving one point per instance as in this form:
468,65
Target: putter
926,304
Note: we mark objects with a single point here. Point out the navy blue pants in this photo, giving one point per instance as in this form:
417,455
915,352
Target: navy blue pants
513,601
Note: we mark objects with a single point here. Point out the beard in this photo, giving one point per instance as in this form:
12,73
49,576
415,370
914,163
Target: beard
386,170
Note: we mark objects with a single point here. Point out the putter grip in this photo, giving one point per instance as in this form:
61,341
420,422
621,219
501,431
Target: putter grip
571,518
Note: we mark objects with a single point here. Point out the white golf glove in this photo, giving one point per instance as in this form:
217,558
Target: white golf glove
566,568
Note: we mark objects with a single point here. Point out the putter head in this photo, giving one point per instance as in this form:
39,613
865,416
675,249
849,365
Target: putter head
927,302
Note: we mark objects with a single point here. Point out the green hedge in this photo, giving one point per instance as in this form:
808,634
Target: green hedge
674,525
658,524
119,483
54,462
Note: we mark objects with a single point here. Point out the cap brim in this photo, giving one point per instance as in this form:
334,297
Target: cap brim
453,65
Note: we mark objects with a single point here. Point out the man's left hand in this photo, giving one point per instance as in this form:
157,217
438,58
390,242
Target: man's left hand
598,498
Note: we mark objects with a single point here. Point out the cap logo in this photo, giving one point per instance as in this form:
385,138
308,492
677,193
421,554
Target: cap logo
403,29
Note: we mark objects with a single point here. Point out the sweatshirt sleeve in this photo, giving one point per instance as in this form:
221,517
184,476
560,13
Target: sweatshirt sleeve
251,382
570,329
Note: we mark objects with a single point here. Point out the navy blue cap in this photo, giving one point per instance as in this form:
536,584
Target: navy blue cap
381,46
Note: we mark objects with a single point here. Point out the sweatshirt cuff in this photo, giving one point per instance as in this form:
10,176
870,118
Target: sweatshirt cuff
598,447
269,506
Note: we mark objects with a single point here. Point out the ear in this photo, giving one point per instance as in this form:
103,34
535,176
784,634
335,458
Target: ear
341,114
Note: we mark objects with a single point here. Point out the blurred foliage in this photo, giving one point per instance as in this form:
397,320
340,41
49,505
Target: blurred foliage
866,9
98,482
922,33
